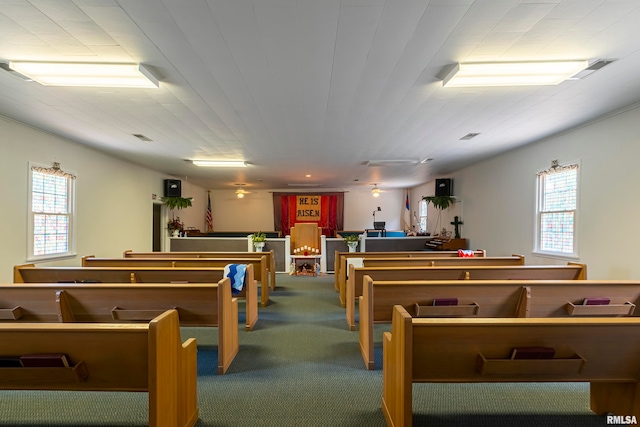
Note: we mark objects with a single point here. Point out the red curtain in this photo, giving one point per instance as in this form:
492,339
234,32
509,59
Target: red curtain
331,212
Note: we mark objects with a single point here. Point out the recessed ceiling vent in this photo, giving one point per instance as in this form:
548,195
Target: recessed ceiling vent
469,136
142,137
595,66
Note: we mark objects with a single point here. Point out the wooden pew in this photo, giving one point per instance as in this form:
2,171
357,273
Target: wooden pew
490,298
479,350
433,262
437,262
259,266
341,259
271,261
111,357
201,305
29,273
571,271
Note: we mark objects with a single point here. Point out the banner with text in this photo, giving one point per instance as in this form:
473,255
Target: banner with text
324,209
308,208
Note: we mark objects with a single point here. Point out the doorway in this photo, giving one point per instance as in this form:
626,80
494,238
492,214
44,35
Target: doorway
157,227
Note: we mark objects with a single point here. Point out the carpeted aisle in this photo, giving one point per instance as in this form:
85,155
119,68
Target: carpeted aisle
301,366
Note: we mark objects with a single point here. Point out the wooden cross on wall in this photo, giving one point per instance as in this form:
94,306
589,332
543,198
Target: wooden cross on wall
456,223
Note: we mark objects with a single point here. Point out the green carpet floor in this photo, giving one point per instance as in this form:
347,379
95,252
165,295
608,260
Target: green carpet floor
301,366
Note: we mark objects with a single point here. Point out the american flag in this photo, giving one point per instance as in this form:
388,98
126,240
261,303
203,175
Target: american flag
209,216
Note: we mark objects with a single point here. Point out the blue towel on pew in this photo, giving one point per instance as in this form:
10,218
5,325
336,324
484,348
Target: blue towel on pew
235,272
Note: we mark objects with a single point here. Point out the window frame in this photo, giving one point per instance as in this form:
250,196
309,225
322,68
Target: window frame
422,207
71,209
540,193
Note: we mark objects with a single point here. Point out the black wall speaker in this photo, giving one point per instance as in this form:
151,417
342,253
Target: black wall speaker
172,188
444,187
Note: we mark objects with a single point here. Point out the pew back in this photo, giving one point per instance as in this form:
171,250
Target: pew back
201,305
442,262
259,266
341,259
271,261
479,350
421,262
29,273
484,298
111,357
571,271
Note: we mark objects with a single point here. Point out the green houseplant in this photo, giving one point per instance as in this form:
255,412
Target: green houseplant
440,203
352,241
177,202
259,240
174,225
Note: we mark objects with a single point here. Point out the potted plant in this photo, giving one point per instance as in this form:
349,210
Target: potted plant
259,239
352,241
177,202
440,203
175,226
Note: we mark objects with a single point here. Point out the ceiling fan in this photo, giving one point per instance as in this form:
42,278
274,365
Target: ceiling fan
240,192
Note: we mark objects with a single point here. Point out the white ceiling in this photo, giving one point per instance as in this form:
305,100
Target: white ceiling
317,87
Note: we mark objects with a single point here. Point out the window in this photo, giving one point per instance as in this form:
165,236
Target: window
557,210
423,216
50,213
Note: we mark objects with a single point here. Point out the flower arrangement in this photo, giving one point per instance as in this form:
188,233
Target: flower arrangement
351,238
259,237
175,224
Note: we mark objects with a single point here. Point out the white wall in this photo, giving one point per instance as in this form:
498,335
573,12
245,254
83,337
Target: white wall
252,213
255,210
499,196
359,205
113,197
436,220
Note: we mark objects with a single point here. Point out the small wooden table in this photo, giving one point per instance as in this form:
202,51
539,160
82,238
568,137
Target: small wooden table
305,261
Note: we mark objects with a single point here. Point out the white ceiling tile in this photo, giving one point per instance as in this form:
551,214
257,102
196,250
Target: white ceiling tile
287,84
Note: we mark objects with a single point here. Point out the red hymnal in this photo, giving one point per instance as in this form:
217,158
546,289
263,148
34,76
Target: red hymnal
533,353
44,360
445,301
596,301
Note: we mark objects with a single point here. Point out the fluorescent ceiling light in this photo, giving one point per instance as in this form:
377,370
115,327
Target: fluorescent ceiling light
86,74
220,163
392,162
512,73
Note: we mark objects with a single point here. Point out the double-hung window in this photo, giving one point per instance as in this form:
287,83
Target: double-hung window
423,215
557,211
51,209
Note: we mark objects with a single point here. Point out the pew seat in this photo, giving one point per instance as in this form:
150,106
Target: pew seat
198,305
29,273
146,357
341,261
419,350
490,298
571,271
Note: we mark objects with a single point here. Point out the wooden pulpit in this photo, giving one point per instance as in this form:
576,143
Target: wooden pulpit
306,234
